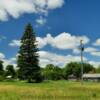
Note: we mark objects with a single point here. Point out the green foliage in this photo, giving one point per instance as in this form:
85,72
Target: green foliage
28,62
1,67
51,72
98,69
2,77
1,71
75,69
10,71
68,70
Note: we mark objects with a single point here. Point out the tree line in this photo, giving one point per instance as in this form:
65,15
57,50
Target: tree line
28,64
49,72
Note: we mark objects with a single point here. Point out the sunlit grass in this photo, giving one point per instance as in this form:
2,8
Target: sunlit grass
51,90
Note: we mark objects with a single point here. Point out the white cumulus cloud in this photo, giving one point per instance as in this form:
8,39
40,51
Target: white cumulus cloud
63,40
96,53
2,56
41,42
90,49
93,51
15,43
97,43
15,8
52,4
41,21
94,63
6,61
56,59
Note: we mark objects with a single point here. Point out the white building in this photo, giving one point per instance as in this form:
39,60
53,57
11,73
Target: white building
94,77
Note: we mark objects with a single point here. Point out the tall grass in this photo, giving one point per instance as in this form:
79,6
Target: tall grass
51,90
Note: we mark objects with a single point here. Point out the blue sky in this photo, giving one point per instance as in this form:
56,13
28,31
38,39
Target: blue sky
59,26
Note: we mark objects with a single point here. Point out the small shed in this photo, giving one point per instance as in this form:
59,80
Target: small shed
8,77
72,77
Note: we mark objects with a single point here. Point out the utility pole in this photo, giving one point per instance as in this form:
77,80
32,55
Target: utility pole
81,50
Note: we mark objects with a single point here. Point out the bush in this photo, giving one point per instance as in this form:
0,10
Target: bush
1,77
51,72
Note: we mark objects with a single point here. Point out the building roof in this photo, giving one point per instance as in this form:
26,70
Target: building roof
91,75
71,76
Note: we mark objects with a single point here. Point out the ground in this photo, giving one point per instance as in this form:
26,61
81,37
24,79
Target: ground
50,90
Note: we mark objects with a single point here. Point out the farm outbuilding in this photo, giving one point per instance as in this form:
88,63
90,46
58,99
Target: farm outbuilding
72,77
92,77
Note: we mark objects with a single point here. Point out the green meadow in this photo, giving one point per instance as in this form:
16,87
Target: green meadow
49,90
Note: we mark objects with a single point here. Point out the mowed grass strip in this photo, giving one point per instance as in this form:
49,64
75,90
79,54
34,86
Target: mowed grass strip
50,90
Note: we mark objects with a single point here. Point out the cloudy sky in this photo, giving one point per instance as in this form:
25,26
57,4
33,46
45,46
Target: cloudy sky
59,26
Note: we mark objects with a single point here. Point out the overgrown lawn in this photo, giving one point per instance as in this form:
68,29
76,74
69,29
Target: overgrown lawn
49,90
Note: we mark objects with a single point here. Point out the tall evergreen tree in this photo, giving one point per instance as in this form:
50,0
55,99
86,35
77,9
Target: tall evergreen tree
1,71
28,62
1,67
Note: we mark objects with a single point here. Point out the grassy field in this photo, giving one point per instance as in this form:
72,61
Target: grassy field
51,90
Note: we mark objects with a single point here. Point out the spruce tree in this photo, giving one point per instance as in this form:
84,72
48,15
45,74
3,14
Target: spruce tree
28,62
1,68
